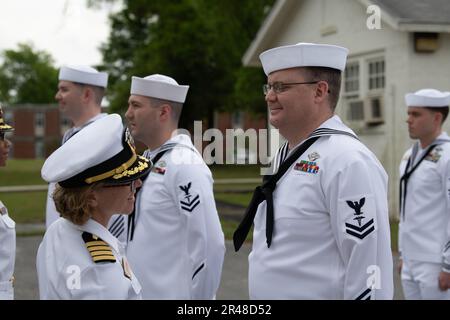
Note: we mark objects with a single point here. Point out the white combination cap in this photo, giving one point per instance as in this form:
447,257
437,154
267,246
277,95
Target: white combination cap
102,151
428,98
159,86
304,55
83,74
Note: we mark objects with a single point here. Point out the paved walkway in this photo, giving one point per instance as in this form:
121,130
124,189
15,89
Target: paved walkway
234,284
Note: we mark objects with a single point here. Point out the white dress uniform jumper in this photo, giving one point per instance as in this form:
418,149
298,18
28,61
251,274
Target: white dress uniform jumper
330,236
321,224
424,230
177,247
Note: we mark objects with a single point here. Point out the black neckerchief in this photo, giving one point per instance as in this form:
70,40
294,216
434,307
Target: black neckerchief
405,177
154,160
131,217
265,191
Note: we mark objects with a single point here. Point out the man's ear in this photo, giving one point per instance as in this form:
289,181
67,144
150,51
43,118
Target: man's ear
321,90
437,117
87,94
165,112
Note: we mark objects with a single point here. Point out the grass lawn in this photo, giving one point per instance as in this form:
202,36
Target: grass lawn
26,207
242,199
394,235
21,172
229,171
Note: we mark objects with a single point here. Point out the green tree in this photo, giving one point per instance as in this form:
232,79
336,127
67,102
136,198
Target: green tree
197,42
27,76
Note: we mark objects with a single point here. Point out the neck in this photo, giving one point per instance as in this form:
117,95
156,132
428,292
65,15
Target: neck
101,218
89,113
426,141
300,134
157,141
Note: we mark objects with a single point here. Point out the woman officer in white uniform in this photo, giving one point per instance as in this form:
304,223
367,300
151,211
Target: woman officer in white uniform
7,226
97,172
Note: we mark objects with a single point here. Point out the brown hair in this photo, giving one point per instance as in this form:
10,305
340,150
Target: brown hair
441,110
175,106
99,92
331,76
73,203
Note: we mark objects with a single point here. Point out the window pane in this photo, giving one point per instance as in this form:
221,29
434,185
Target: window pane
376,108
356,111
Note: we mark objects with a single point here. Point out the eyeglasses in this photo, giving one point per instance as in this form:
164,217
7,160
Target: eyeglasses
279,87
132,185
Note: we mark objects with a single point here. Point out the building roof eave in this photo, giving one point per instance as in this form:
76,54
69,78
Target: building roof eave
267,30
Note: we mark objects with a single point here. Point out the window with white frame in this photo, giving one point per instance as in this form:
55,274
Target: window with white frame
351,79
376,74
39,150
364,82
355,111
39,123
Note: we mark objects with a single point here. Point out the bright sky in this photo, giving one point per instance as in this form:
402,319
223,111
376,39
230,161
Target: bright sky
67,29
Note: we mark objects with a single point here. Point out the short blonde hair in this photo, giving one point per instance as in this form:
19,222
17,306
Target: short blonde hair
73,203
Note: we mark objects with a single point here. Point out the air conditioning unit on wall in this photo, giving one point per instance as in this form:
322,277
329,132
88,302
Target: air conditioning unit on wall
366,112
374,110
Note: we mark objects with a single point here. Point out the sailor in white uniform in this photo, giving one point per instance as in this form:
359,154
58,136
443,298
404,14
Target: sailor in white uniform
7,226
321,226
80,93
177,244
97,172
424,233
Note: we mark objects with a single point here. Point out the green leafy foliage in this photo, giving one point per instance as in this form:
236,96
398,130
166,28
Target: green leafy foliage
198,42
27,76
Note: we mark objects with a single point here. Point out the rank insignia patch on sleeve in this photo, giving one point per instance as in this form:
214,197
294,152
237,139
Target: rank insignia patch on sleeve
190,201
363,227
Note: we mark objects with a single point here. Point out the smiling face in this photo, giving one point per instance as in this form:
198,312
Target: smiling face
290,109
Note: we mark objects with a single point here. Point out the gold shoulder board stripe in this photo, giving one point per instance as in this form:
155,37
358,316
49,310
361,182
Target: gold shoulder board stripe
99,250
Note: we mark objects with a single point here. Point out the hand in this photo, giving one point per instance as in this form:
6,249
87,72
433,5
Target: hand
444,280
399,266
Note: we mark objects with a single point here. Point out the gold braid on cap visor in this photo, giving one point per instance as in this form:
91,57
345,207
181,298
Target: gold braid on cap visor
122,170
119,169
128,173
4,126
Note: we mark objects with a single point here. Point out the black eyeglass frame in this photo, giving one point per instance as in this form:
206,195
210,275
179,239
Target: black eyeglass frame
132,185
279,87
